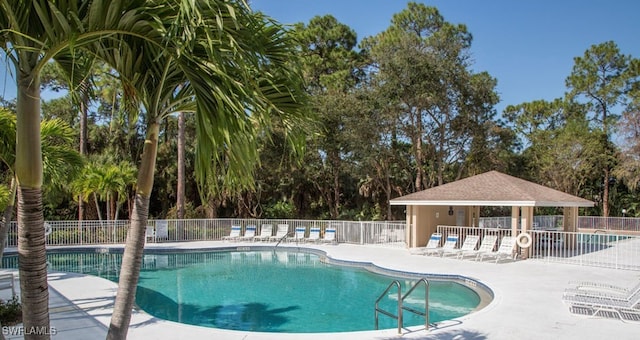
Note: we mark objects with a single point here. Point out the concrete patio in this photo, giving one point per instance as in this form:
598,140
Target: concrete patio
527,303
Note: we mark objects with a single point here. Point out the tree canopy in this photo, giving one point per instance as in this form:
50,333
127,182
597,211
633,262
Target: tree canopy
396,112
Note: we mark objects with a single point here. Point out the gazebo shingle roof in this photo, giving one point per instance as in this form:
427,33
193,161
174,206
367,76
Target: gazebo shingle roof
492,188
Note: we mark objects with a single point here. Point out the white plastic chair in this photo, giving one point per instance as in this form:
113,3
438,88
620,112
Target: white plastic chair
249,233
505,250
329,235
234,233
486,246
266,231
299,234
281,232
314,235
468,246
432,245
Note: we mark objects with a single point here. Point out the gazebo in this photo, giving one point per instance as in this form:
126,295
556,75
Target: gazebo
458,204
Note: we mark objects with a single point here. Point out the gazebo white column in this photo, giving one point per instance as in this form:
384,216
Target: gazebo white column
411,224
570,224
570,220
515,218
527,222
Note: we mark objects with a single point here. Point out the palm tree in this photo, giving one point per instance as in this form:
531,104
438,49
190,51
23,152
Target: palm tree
104,180
7,156
61,162
80,90
216,58
34,32
231,68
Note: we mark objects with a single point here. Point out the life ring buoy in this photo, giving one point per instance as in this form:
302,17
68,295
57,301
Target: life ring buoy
526,243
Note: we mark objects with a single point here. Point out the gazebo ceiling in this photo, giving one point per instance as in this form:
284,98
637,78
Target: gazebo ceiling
492,188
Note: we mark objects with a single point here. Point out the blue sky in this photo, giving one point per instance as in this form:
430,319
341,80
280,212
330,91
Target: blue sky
528,46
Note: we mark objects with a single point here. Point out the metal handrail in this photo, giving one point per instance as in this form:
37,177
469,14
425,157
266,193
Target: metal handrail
426,302
389,314
283,237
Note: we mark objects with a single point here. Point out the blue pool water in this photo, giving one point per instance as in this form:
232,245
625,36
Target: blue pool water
268,291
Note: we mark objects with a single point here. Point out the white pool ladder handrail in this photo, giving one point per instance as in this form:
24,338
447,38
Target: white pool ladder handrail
401,308
398,317
425,314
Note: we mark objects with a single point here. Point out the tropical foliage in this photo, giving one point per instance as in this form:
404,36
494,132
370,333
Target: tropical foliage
357,97
307,122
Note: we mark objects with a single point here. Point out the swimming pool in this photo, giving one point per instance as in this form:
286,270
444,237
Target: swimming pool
267,290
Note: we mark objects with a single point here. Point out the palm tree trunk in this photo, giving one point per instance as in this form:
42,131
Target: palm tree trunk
181,181
95,199
112,208
32,259
132,257
605,193
419,183
107,207
83,151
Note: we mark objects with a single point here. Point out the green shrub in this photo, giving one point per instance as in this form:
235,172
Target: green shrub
10,312
282,209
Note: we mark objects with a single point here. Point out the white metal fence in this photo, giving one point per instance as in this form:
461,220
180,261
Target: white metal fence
602,247
62,233
609,223
539,222
598,249
546,222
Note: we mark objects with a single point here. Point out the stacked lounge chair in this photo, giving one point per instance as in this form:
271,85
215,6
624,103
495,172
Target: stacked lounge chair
603,300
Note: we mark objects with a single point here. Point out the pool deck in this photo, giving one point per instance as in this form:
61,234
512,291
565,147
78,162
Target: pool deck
527,301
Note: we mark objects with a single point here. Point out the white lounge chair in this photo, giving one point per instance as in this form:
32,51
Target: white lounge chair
266,231
449,244
249,233
486,246
468,246
314,235
505,250
234,234
329,235
627,308
150,233
7,282
432,245
299,235
596,289
281,233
